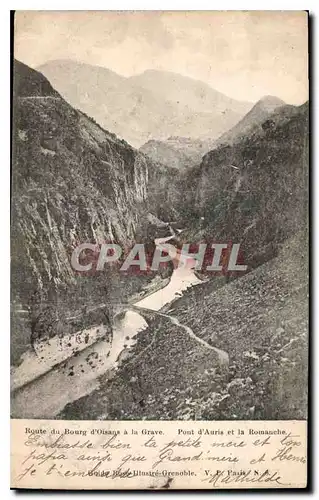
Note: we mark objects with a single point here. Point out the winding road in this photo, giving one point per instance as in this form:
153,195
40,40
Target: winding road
223,356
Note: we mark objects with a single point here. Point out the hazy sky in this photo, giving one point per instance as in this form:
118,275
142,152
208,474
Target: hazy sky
245,55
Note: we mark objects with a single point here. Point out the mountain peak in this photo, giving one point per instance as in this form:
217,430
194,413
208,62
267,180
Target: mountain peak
254,118
270,101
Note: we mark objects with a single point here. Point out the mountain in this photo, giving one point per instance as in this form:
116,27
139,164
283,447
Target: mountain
254,192
192,93
28,82
177,152
137,110
254,118
72,182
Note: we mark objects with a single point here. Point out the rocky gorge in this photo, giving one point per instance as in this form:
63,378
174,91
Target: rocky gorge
73,182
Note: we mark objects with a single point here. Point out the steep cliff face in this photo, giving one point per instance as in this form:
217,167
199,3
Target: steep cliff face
73,182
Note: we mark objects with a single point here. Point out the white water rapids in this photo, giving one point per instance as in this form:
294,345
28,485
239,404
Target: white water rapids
45,382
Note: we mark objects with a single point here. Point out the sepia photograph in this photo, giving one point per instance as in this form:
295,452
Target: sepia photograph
159,231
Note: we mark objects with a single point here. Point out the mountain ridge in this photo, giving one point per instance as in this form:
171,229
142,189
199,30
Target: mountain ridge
138,113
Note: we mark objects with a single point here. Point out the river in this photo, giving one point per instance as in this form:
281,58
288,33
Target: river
43,385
